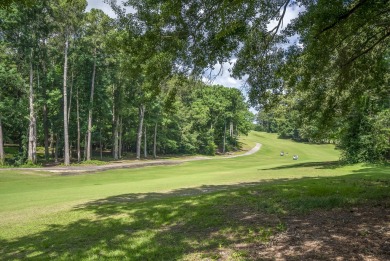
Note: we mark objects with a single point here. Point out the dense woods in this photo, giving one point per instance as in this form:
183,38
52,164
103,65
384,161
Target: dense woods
80,84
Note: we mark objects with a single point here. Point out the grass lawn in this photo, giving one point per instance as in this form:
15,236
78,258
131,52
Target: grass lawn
196,210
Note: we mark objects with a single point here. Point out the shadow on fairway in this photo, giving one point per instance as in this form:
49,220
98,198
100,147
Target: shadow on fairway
317,165
214,222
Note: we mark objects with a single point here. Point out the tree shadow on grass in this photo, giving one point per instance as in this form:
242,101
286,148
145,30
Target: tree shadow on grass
150,226
248,221
317,165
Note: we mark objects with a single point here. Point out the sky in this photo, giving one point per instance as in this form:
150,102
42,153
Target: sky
223,78
99,4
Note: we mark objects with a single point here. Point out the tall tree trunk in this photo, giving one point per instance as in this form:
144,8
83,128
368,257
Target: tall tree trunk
116,137
100,144
155,141
70,150
35,123
32,153
113,121
145,144
78,126
45,130
70,97
140,128
35,139
224,139
113,127
89,147
85,146
120,137
69,109
65,96
45,123
51,145
2,155
56,148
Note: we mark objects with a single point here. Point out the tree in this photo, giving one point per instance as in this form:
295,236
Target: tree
25,27
342,70
11,83
97,26
67,14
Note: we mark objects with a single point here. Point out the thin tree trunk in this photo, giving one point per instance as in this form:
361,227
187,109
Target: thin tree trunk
155,141
32,154
35,139
70,104
45,123
224,139
113,122
70,150
113,125
85,146
2,155
35,123
100,144
78,126
145,144
51,145
46,131
140,128
116,137
70,97
120,137
113,133
56,148
65,96
91,109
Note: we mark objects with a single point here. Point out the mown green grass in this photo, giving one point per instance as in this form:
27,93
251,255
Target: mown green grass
191,211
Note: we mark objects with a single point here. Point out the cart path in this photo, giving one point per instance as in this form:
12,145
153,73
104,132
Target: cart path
72,170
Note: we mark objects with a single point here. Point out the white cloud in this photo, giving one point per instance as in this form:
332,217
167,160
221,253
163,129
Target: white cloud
100,4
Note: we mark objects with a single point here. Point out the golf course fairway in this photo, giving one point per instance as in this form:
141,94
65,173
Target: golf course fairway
188,211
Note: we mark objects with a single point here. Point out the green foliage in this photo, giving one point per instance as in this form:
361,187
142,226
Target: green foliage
366,138
306,90
336,75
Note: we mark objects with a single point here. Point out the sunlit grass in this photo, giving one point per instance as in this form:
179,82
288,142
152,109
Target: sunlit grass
195,210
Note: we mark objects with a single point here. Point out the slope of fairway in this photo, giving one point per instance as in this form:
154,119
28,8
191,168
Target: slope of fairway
29,190
188,211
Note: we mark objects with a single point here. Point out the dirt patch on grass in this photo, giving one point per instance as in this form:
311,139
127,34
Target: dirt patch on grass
361,233
94,169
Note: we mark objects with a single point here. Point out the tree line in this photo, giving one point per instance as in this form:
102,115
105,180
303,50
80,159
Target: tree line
76,82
